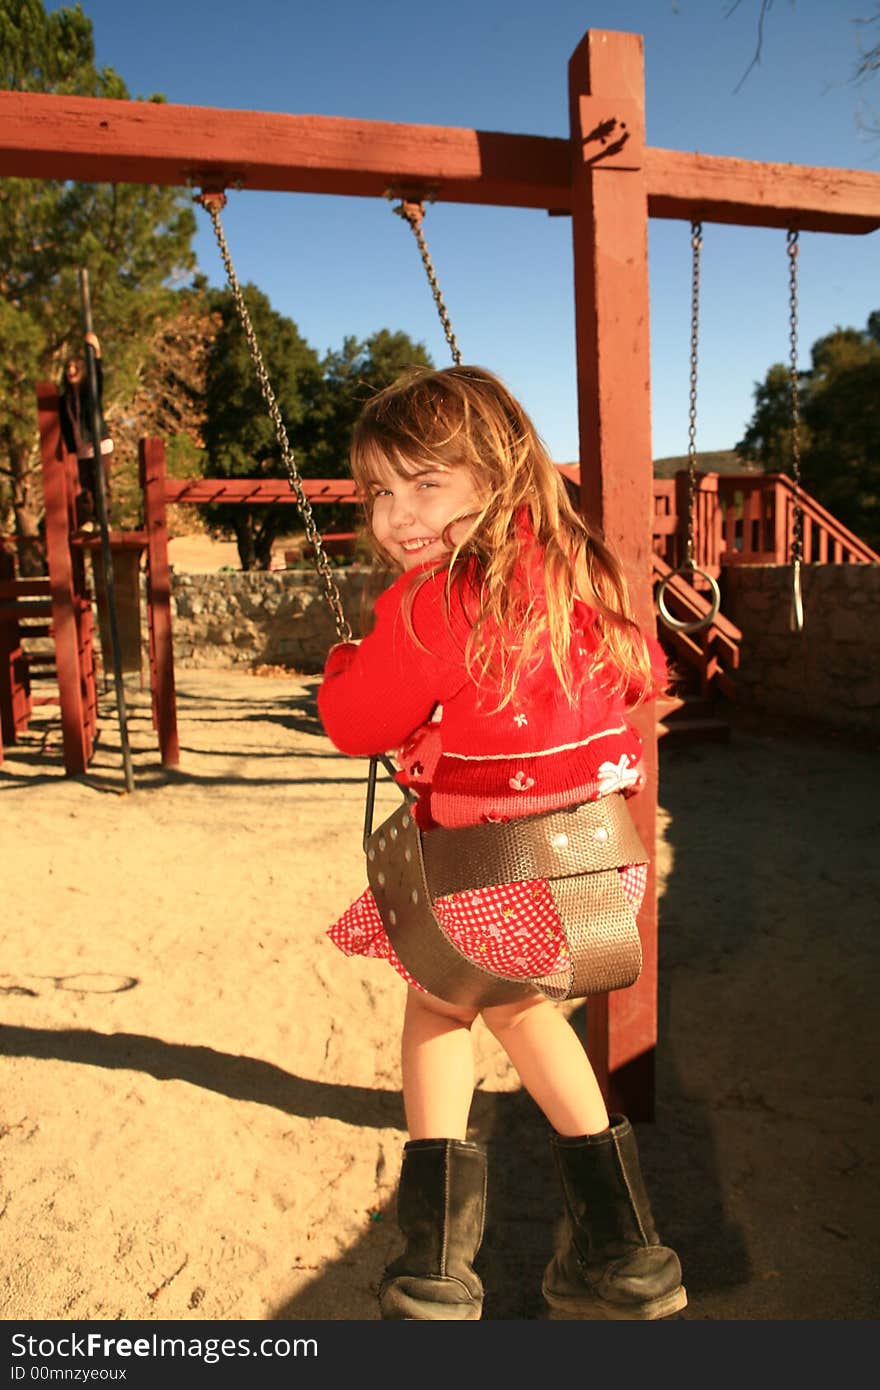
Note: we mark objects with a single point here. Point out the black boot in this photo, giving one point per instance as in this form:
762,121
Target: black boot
441,1207
611,1263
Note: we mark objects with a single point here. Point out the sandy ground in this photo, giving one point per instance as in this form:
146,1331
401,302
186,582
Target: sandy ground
201,1115
202,554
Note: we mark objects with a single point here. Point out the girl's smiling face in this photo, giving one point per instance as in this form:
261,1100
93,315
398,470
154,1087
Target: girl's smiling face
412,512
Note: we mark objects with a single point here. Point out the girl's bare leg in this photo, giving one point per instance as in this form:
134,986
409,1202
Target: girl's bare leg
551,1063
438,1067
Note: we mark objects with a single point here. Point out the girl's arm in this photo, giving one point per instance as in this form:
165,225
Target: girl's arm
377,692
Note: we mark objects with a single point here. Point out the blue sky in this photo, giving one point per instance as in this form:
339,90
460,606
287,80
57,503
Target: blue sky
342,266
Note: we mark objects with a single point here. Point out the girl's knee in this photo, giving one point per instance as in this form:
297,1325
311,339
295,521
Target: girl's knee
420,1002
501,1018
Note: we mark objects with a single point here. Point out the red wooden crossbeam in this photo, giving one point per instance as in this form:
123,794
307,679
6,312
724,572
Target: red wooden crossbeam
204,490
744,192
47,136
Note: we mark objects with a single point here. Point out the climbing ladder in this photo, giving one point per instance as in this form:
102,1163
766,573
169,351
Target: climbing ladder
47,629
58,607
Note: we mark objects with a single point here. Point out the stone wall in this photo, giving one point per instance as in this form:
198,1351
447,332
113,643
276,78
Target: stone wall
277,618
829,672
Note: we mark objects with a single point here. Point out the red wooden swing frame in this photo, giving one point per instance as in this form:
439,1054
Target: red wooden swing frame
606,178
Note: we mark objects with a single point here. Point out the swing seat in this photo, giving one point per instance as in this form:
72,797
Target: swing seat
578,850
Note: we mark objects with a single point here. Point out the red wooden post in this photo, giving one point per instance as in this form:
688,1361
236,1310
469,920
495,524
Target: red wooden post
15,686
823,538
682,505
706,523
610,229
72,681
152,474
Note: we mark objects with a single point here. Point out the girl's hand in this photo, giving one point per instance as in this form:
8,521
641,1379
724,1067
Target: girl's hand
340,657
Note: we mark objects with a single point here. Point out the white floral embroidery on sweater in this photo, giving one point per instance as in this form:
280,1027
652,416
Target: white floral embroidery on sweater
613,777
521,783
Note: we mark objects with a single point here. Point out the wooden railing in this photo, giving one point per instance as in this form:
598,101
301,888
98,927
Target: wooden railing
670,521
757,525
748,519
739,519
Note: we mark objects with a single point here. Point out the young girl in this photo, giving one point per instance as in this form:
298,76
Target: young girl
75,410
499,669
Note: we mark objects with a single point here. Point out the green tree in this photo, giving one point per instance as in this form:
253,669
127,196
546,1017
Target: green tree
841,466
768,437
240,438
169,402
350,376
319,402
839,434
135,242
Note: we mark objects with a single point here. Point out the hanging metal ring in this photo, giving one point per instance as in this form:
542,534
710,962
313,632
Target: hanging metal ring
679,624
796,617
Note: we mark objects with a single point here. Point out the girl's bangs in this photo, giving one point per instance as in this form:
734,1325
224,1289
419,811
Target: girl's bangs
377,452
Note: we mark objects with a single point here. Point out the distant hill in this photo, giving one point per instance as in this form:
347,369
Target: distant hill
711,461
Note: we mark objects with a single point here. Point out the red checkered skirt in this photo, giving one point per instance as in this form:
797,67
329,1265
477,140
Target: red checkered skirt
512,928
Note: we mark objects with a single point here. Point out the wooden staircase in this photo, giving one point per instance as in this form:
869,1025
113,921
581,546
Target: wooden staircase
739,519
701,664
30,612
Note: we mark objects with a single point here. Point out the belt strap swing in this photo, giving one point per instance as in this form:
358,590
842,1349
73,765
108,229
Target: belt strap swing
578,850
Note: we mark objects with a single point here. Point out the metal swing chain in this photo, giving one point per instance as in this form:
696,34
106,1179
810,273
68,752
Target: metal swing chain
212,202
697,246
413,212
688,565
796,621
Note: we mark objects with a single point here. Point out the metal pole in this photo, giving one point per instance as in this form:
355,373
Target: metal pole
94,426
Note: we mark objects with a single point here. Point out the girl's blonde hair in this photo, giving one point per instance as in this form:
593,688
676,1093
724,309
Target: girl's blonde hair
466,417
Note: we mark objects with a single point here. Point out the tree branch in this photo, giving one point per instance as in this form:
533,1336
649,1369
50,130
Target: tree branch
766,6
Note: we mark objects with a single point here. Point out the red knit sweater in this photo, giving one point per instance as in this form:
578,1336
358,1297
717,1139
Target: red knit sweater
468,761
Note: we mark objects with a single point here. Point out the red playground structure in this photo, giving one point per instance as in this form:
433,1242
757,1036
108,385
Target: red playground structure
608,180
